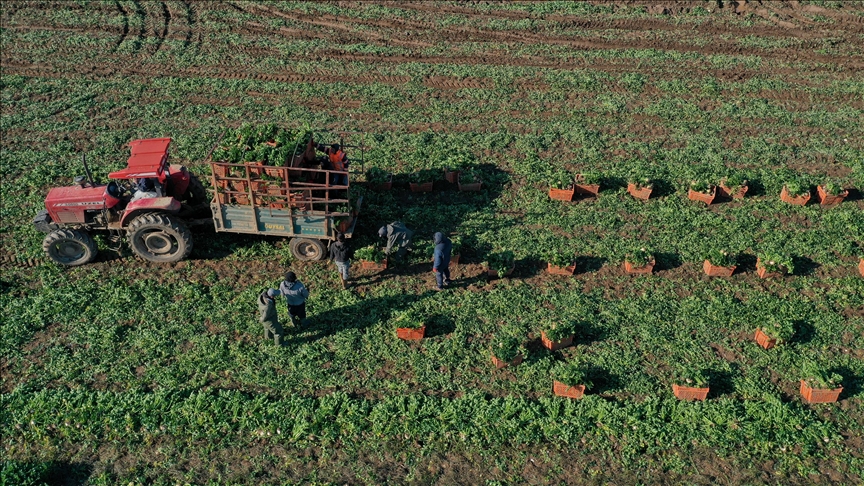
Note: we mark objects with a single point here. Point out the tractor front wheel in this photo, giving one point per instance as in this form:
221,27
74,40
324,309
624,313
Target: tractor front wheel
159,238
308,249
69,247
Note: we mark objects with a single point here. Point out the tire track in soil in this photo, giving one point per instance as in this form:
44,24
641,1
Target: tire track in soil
125,32
449,82
469,34
190,23
572,21
331,22
166,22
142,31
792,99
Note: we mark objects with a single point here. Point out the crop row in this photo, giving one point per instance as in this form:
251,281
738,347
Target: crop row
769,429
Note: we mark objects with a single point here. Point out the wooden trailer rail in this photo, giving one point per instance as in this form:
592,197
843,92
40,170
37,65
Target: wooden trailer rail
279,187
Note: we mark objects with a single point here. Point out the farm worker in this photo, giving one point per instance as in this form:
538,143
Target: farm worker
147,187
338,162
441,260
397,236
295,296
269,318
341,256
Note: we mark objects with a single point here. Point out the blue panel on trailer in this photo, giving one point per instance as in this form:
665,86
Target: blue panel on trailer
238,218
278,222
312,225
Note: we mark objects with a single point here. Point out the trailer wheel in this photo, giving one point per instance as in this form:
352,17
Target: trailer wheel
159,238
308,249
69,247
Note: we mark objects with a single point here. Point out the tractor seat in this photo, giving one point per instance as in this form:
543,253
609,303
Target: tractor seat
113,190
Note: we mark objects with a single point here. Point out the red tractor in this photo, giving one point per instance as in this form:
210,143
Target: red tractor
152,218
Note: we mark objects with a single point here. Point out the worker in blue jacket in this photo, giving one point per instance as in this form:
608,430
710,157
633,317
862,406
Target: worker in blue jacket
441,260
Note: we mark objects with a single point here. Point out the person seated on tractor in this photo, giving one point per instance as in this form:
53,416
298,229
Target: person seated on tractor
146,188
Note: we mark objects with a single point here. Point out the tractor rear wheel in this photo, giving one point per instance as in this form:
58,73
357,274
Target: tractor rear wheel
159,238
69,247
196,194
308,249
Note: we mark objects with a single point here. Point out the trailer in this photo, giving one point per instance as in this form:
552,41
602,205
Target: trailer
298,203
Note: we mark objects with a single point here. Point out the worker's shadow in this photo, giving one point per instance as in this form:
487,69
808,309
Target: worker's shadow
370,277
360,315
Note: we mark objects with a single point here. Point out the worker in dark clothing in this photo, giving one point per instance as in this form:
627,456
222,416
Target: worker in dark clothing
398,238
269,318
147,187
341,255
441,260
295,296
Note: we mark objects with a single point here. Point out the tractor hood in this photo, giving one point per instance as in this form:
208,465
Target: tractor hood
75,197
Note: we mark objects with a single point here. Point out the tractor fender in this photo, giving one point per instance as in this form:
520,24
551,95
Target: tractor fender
179,178
148,205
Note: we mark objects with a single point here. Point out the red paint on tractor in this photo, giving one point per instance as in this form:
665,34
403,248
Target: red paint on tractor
67,204
148,160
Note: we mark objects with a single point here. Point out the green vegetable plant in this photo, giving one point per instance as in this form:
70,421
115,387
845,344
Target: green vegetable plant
817,377
377,176
557,328
409,319
640,257
776,262
589,178
370,253
794,188
267,144
559,258
735,180
722,258
470,175
500,262
781,330
690,374
571,373
832,187
702,186
423,176
456,245
641,182
506,345
562,179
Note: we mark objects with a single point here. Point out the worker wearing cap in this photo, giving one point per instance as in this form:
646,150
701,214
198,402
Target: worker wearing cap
398,238
269,318
295,296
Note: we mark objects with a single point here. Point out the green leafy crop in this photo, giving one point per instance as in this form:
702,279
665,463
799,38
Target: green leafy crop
371,253
640,257
780,329
572,373
722,258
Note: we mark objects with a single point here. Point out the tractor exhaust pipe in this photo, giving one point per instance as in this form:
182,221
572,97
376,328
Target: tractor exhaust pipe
87,170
